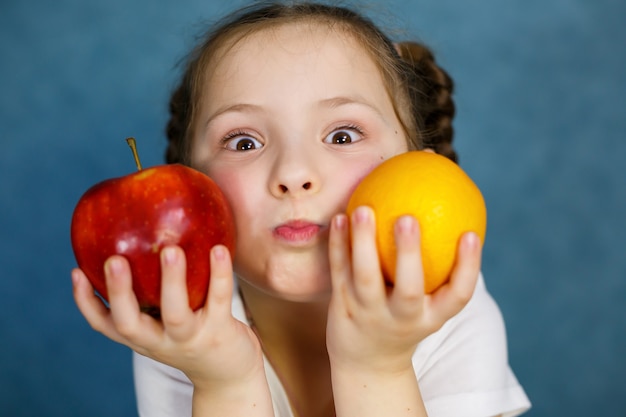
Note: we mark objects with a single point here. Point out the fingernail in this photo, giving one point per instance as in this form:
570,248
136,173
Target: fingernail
406,224
362,214
169,255
471,240
75,278
340,221
219,252
114,266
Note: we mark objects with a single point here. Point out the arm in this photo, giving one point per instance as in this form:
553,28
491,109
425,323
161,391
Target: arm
243,398
219,354
376,394
373,331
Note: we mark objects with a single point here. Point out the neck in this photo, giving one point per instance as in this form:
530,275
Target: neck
293,336
284,323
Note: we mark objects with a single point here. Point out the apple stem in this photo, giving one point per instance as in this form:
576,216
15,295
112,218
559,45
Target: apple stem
133,146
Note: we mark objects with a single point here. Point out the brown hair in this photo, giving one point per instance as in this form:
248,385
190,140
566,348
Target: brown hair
419,89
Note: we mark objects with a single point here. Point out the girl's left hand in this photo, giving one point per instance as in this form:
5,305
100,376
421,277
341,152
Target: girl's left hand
375,328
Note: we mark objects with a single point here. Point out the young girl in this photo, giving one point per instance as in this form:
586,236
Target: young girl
287,108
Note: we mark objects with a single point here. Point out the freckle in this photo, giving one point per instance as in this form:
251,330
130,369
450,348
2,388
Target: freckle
364,385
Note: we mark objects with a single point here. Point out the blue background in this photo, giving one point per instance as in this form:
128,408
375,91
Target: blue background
541,96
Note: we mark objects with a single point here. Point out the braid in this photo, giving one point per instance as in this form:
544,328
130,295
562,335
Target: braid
176,126
431,97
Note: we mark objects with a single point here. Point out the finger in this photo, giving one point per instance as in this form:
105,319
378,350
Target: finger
176,315
339,252
408,292
125,312
91,306
221,285
369,285
467,268
340,262
456,293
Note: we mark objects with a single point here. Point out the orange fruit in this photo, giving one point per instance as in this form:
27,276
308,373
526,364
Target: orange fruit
436,191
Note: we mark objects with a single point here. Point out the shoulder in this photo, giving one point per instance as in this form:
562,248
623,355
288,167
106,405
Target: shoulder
465,363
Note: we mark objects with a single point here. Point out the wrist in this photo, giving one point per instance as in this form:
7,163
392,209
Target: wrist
371,392
379,365
228,382
378,372
249,396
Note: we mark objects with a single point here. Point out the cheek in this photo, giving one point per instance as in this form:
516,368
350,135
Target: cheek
233,187
359,171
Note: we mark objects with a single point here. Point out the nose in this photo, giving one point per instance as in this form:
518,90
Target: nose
294,174
285,188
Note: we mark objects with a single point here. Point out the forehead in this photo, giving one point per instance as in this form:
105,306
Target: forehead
297,45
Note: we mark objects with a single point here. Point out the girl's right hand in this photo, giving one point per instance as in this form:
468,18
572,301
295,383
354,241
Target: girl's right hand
210,346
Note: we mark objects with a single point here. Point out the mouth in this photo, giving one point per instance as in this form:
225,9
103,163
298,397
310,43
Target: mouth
297,231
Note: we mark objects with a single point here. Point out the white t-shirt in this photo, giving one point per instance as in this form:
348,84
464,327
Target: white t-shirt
462,370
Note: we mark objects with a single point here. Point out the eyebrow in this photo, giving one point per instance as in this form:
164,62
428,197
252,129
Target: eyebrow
331,103
239,107
334,102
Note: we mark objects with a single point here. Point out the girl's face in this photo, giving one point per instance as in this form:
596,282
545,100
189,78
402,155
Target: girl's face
292,119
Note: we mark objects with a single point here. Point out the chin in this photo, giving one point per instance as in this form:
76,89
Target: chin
300,288
291,278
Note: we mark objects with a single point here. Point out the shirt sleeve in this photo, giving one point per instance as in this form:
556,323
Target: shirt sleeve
463,368
161,391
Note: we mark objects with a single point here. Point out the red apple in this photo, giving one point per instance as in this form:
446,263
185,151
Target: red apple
138,214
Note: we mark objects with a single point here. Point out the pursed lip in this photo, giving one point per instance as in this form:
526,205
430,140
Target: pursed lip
297,231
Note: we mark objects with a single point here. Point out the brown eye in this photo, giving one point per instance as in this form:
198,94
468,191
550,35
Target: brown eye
344,136
245,144
341,137
241,142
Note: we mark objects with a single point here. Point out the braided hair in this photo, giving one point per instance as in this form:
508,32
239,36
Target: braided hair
420,90
431,96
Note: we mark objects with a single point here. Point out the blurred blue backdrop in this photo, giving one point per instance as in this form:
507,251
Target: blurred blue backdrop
541,95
